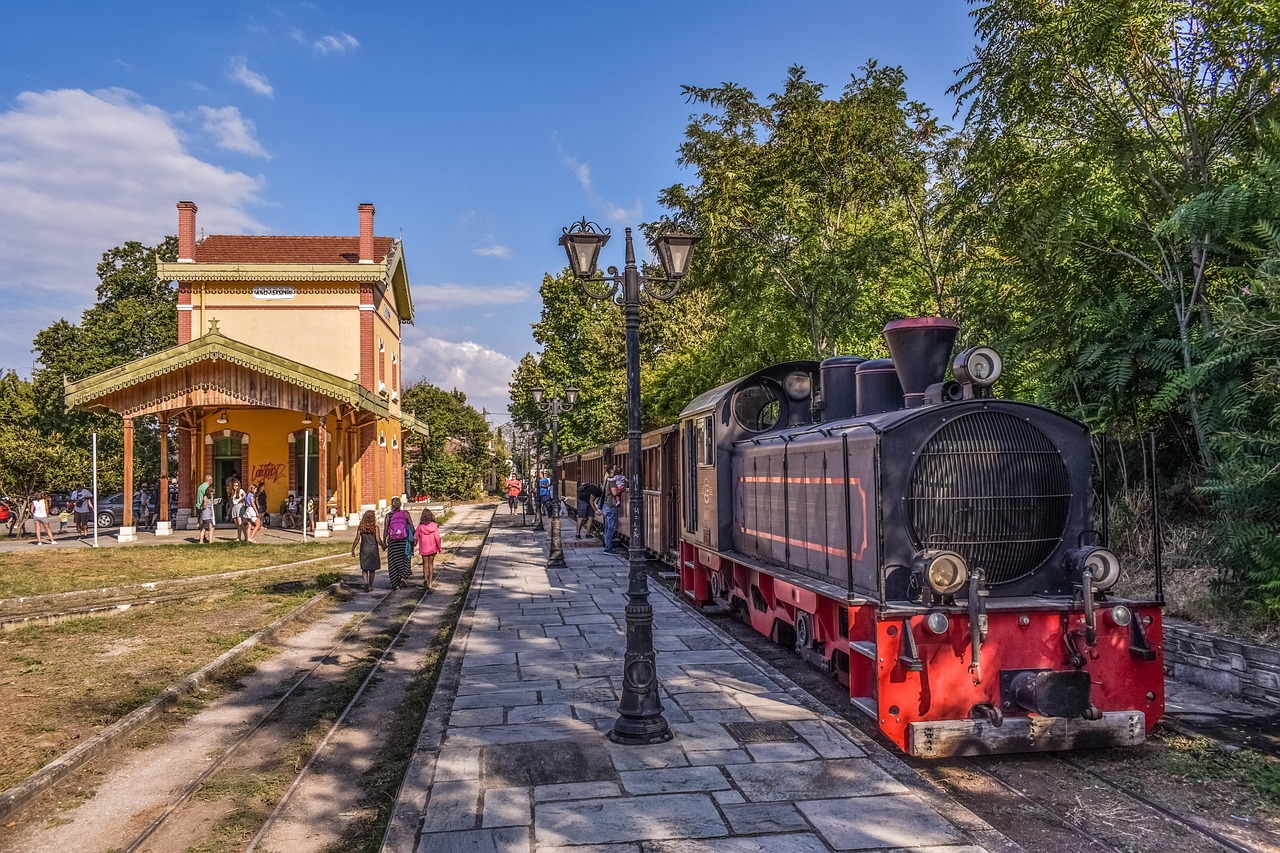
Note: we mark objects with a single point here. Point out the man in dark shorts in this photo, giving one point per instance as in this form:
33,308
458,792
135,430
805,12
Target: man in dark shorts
589,495
83,499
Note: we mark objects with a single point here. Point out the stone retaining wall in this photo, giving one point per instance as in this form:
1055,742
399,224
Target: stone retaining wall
1216,662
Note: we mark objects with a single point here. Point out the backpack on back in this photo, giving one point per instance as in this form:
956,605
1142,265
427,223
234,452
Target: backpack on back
398,526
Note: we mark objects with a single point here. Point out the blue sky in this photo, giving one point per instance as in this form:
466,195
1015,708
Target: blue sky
477,129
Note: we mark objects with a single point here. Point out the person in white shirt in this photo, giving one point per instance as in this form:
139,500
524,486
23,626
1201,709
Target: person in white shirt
40,515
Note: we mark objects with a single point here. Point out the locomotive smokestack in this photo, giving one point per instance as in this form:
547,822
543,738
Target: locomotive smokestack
921,348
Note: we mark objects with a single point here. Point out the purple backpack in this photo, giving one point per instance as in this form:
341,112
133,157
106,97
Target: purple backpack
398,525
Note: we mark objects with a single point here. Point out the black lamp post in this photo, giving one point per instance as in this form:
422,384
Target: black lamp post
553,407
640,719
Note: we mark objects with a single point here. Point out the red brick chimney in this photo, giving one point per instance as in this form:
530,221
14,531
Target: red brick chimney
366,233
186,232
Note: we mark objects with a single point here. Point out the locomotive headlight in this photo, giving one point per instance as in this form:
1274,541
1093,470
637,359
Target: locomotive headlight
937,622
945,571
798,385
1121,616
1102,564
980,366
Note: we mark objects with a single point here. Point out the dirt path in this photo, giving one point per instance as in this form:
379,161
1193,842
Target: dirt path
133,785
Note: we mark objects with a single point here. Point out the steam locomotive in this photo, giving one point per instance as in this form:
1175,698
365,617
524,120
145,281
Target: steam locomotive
926,543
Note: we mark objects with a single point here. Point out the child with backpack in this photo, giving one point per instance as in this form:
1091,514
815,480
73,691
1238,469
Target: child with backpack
428,536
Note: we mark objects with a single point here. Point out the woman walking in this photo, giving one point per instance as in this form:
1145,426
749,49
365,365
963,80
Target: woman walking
428,536
398,533
40,515
369,541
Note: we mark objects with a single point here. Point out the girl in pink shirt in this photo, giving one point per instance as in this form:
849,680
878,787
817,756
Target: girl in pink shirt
428,536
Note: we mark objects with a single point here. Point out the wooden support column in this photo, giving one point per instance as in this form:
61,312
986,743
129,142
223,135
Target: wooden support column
162,497
128,532
340,469
322,500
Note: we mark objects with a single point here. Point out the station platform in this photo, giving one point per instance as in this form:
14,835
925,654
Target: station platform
513,755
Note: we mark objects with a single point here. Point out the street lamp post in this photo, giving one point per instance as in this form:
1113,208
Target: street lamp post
554,406
640,719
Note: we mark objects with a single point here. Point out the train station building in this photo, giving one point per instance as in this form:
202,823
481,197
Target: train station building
287,371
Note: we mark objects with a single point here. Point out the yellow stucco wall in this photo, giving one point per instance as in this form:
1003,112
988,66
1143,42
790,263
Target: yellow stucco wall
302,328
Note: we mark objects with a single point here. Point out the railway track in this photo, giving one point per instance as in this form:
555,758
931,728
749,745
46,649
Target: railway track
266,760
1049,801
300,724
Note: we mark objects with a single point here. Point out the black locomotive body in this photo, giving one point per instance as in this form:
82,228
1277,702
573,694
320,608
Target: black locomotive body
928,544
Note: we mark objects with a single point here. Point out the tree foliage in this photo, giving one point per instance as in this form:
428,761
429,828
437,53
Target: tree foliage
134,316
33,460
457,458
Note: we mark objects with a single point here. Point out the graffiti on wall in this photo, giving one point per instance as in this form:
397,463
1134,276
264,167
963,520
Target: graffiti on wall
264,473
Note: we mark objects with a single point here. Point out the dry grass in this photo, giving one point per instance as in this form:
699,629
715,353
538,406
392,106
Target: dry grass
1189,576
49,570
60,684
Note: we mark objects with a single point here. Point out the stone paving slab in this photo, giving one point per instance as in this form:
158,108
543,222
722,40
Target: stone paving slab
514,754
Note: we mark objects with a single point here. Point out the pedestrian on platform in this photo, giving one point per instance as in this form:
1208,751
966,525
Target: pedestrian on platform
513,493
83,510
609,504
7,517
589,496
252,516
399,530
237,499
205,488
40,515
206,516
544,494
428,536
290,520
369,542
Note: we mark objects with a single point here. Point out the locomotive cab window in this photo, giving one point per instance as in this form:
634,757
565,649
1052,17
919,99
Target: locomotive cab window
758,406
703,443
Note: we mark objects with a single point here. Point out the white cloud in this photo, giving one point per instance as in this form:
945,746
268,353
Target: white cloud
296,35
83,172
458,295
251,80
232,131
582,174
483,374
336,43
492,251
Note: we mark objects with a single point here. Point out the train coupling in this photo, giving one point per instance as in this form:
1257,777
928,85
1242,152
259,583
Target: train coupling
1047,692
989,712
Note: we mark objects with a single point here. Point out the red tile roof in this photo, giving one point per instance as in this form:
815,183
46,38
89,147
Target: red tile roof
238,249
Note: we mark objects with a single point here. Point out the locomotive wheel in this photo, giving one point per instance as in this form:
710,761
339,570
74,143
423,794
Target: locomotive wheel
717,586
804,630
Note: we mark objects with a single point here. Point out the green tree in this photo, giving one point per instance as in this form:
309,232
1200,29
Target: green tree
135,315
808,207
1093,121
33,460
457,458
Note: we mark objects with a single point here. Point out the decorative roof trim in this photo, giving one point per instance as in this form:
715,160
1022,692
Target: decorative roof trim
214,346
275,272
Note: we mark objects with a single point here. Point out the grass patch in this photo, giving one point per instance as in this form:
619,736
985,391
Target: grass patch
63,683
50,570
1199,761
